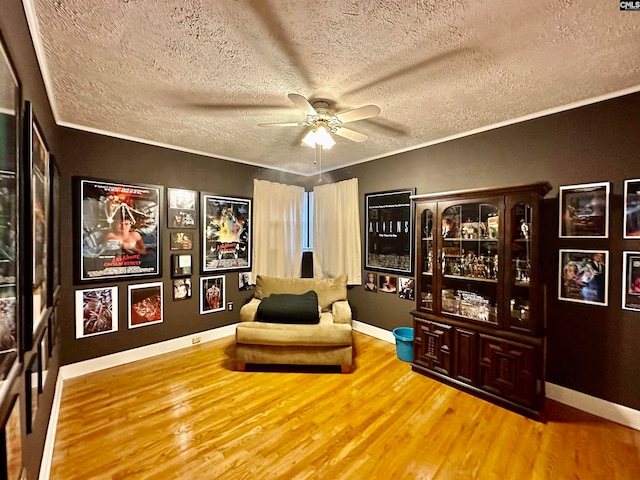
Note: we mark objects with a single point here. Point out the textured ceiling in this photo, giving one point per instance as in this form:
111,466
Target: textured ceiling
201,75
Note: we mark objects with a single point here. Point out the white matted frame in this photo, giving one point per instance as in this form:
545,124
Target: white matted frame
631,281
96,311
145,304
584,210
583,276
631,227
212,294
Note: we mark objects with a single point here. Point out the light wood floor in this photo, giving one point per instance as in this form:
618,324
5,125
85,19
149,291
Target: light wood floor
188,415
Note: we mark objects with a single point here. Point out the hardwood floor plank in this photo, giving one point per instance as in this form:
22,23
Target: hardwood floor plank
189,415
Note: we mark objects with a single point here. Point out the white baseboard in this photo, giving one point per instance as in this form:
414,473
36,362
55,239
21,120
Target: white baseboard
148,351
596,406
372,331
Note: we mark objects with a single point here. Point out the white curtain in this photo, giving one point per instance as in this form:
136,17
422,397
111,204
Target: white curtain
277,229
336,232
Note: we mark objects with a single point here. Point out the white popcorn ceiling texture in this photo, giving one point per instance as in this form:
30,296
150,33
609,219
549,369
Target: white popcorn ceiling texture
200,75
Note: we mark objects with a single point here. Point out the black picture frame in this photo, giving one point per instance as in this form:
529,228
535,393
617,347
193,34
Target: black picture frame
226,233
584,210
631,228
182,208
182,289
118,230
631,281
181,240
10,167
32,388
181,265
55,279
389,229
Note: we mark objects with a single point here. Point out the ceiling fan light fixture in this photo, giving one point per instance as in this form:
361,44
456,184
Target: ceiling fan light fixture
319,135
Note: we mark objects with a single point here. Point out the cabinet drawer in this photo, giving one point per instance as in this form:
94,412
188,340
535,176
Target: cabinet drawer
432,345
508,369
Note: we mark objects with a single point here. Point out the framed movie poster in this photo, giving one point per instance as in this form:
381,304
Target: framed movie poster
96,311
631,281
632,208
181,208
584,210
181,240
226,233
181,289
583,276
10,133
212,294
119,234
145,304
389,231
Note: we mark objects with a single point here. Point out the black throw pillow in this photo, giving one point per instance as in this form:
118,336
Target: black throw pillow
289,308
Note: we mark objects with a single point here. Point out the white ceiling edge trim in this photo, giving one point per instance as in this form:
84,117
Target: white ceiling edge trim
34,31
174,147
531,116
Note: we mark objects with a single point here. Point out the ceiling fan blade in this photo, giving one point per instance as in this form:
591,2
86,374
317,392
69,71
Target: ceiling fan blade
360,113
351,134
282,124
302,103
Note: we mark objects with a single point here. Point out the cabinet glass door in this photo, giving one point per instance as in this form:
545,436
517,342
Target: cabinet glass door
520,246
426,260
469,261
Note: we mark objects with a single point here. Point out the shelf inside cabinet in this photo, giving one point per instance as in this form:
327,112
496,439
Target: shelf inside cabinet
473,279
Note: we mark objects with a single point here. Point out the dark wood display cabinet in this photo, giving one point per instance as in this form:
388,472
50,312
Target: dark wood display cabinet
479,322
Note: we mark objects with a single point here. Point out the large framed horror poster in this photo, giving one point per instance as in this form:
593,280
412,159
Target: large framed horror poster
226,233
389,231
119,231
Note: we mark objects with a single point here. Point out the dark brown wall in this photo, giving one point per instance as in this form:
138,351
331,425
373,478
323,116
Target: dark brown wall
592,349
17,40
89,155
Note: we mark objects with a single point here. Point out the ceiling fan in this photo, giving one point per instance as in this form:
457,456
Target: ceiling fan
323,122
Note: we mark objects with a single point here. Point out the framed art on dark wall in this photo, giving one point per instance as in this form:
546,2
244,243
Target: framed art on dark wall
96,311
631,281
181,240
119,234
584,210
632,208
181,289
212,294
180,265
389,231
583,276
145,304
181,208
226,233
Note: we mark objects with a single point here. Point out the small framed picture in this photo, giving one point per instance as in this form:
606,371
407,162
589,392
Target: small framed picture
371,283
96,311
212,294
181,240
180,265
406,288
181,289
632,208
182,205
584,210
388,284
145,304
244,281
631,281
583,276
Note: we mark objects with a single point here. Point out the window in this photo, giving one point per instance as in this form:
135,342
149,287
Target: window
307,222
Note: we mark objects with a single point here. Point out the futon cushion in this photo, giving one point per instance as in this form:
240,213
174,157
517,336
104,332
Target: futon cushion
289,308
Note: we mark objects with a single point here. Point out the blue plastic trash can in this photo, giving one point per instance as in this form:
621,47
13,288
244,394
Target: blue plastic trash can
404,343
